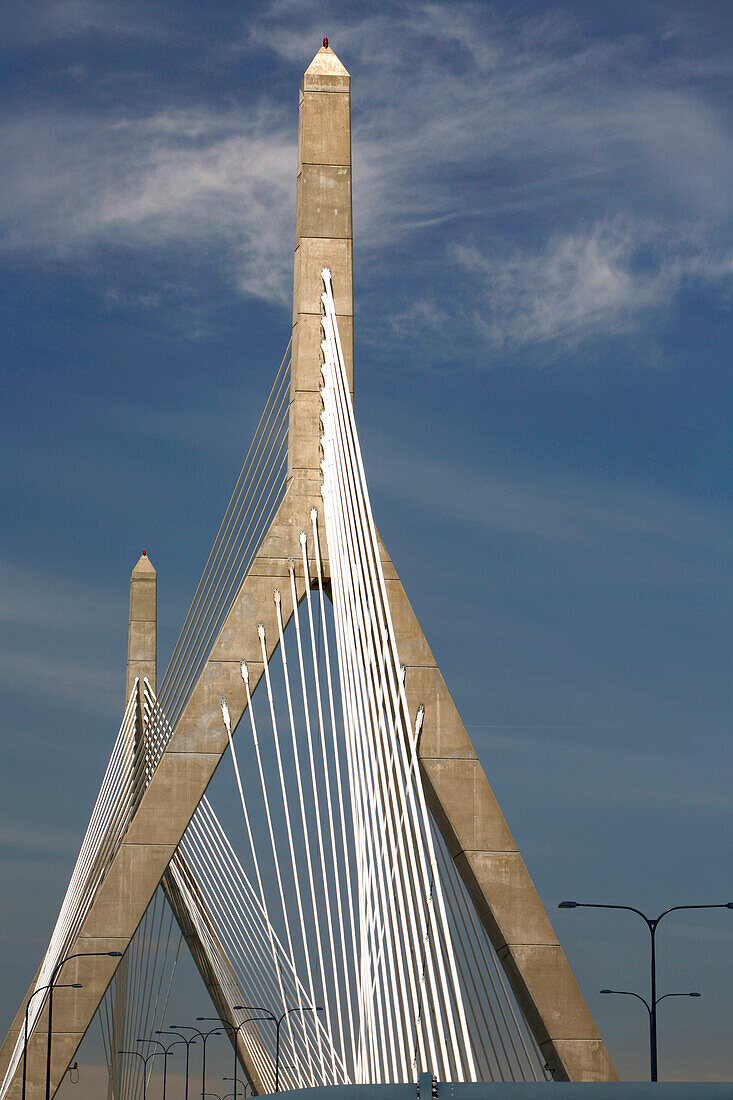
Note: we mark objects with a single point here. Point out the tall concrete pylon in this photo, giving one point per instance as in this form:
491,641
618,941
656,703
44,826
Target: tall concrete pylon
460,797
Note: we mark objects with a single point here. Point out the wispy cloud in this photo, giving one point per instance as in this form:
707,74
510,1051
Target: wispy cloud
533,103
222,181
590,282
579,143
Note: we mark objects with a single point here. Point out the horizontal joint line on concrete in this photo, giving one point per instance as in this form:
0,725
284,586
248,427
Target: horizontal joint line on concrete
192,752
329,237
150,843
530,943
469,759
325,164
487,851
570,1039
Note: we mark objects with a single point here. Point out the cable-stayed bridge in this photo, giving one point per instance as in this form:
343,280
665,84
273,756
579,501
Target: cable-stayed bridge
373,901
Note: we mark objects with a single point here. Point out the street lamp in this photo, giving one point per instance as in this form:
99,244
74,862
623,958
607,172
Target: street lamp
234,1028
41,989
189,1043
277,1022
651,923
166,1050
144,1061
627,993
56,969
205,1036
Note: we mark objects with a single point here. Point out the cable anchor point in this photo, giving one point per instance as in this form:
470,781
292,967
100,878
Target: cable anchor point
225,714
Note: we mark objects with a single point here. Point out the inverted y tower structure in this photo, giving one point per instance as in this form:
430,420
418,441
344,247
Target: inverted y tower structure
459,795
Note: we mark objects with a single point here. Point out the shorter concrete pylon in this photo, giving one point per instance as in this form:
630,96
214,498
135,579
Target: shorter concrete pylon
142,634
142,630
142,658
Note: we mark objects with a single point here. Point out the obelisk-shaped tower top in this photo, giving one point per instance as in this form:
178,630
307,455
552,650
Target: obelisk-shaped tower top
323,238
326,73
142,632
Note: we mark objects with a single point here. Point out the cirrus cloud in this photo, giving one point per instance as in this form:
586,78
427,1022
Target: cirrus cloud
583,148
597,280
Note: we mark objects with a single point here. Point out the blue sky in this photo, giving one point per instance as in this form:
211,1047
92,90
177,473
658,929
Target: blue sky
544,281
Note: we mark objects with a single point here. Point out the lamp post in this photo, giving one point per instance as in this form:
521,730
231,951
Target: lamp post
647,1006
205,1036
144,1061
652,924
41,989
166,1050
277,1022
56,969
233,1028
189,1043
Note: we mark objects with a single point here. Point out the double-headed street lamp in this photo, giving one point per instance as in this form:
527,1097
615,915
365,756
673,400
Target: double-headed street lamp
165,1051
647,1006
205,1036
144,1061
56,969
189,1043
652,924
41,989
277,1021
235,1028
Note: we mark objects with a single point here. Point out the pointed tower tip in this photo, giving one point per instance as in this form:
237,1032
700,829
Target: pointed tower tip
325,72
144,565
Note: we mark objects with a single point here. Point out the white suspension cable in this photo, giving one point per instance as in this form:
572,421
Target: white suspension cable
289,832
263,787
313,791
253,850
345,849
304,825
343,398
